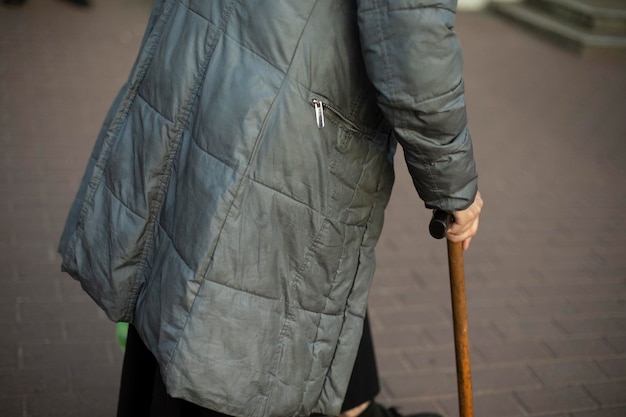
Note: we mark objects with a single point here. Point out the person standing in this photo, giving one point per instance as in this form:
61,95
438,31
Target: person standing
236,192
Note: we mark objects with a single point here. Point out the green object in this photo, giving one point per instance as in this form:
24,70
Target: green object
121,332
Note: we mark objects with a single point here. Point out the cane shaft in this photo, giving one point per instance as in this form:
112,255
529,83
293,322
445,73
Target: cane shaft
461,337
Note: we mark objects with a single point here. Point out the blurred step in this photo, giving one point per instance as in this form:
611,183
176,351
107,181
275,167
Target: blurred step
598,16
587,26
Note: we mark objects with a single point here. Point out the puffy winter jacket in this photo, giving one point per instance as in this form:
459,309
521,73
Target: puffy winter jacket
236,191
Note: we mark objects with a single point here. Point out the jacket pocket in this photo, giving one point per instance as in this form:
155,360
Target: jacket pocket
361,156
324,110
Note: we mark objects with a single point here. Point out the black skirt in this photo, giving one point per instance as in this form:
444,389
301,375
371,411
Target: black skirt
143,394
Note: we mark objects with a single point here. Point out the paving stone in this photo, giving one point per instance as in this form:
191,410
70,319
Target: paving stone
553,415
389,363
555,400
71,290
46,311
412,316
400,338
608,394
94,330
94,377
614,368
547,308
15,382
14,332
589,326
512,351
493,292
609,307
579,348
8,356
501,405
495,379
617,342
528,329
408,407
422,384
486,313
11,291
39,270
574,290
437,358
76,404
38,356
53,405
434,295
557,374
12,406
621,320
8,311
608,412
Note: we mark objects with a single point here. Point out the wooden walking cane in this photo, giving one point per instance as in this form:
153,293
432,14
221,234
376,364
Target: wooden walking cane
438,227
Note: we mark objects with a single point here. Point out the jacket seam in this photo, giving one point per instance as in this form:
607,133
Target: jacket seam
151,106
373,209
288,316
343,252
427,99
107,147
186,112
297,307
178,252
118,198
423,6
237,192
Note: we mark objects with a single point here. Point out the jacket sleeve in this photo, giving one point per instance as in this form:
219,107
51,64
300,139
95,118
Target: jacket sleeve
413,58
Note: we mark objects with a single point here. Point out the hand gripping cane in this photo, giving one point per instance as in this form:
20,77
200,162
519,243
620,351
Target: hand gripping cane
438,227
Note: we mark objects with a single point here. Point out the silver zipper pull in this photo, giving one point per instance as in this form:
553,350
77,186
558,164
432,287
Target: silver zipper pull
319,113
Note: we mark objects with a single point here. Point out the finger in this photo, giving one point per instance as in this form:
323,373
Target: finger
461,233
458,229
465,220
463,226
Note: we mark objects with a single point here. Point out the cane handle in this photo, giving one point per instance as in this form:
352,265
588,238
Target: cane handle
439,224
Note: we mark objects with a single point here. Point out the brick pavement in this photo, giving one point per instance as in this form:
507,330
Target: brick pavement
546,278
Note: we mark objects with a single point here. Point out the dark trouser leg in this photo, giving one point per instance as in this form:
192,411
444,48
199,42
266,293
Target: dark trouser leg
142,391
137,378
363,384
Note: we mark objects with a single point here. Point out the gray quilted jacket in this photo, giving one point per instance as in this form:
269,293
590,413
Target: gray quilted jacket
236,191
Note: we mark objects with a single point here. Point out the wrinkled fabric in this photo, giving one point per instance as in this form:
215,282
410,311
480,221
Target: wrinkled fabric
233,231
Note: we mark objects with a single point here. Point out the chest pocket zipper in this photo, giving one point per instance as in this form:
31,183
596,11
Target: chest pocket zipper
320,106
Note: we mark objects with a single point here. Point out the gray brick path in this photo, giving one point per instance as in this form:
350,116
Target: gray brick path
546,277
